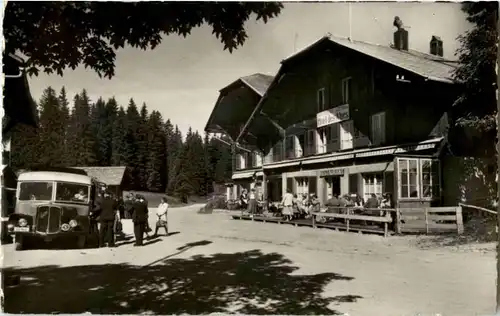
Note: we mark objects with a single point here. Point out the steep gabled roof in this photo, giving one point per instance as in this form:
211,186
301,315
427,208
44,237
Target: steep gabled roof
426,65
258,83
109,175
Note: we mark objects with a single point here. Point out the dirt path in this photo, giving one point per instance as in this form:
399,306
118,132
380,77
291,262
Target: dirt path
216,264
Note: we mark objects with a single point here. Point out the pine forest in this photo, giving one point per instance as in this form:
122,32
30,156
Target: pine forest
104,133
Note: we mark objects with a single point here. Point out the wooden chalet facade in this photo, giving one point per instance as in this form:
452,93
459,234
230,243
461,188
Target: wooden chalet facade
234,106
344,116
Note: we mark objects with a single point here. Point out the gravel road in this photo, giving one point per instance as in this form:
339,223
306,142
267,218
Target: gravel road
211,263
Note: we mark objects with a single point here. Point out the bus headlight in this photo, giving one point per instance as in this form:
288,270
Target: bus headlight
22,222
10,227
65,227
73,223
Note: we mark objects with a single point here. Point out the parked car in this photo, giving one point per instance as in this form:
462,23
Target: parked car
54,205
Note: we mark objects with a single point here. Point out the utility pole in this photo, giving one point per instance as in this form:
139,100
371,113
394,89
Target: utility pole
497,177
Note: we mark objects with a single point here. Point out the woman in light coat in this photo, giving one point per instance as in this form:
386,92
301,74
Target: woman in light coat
161,213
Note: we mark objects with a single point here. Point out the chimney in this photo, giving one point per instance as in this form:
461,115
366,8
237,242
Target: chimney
401,35
436,46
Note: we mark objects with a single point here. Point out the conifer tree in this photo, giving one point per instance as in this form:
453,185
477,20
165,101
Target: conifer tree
156,151
168,130
65,117
51,130
101,131
119,148
25,147
133,120
142,146
175,147
80,139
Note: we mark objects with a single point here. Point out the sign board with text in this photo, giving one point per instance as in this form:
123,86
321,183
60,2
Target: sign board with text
332,116
332,172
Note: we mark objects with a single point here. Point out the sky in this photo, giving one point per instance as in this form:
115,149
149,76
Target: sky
182,77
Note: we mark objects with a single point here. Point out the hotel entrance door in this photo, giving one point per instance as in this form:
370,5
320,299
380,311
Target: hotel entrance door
332,186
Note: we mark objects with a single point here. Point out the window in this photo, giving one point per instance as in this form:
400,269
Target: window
430,178
72,192
346,134
241,161
40,191
418,178
320,99
290,147
377,128
346,90
309,143
302,186
372,184
258,159
332,133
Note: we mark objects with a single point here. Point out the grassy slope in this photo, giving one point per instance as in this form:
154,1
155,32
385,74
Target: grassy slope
155,198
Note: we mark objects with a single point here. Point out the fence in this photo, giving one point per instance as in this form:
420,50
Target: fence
430,220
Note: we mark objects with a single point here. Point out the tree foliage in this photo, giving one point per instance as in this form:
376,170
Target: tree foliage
476,105
58,35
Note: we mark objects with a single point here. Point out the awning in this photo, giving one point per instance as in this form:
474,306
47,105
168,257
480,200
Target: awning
373,167
242,175
247,174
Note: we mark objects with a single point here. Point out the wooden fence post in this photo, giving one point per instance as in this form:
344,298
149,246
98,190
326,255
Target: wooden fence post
426,213
460,222
398,221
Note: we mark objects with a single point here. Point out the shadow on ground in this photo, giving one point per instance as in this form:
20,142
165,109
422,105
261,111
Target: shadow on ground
248,282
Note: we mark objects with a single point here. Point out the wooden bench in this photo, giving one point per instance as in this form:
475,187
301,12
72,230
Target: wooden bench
386,220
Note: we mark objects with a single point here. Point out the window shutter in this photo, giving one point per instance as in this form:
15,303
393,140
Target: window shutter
382,127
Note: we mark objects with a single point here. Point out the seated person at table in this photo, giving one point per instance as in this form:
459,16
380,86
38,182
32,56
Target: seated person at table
332,204
386,201
244,199
372,202
314,204
345,202
357,200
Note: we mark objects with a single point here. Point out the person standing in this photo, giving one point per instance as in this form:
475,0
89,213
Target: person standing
161,213
105,209
139,217
252,203
287,203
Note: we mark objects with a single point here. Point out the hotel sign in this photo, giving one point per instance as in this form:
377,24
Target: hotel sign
332,116
332,172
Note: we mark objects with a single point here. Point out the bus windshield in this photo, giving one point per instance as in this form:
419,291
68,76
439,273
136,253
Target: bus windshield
72,192
40,191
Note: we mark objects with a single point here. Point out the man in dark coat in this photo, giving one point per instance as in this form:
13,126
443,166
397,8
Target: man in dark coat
140,217
105,209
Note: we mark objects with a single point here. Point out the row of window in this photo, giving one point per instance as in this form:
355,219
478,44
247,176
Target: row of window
321,98
338,136
418,178
248,160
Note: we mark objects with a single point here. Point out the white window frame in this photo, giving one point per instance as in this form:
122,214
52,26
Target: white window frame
242,161
302,185
372,176
438,176
346,135
321,106
346,85
258,159
419,181
378,131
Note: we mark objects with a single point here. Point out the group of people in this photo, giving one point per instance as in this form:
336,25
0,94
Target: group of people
109,211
